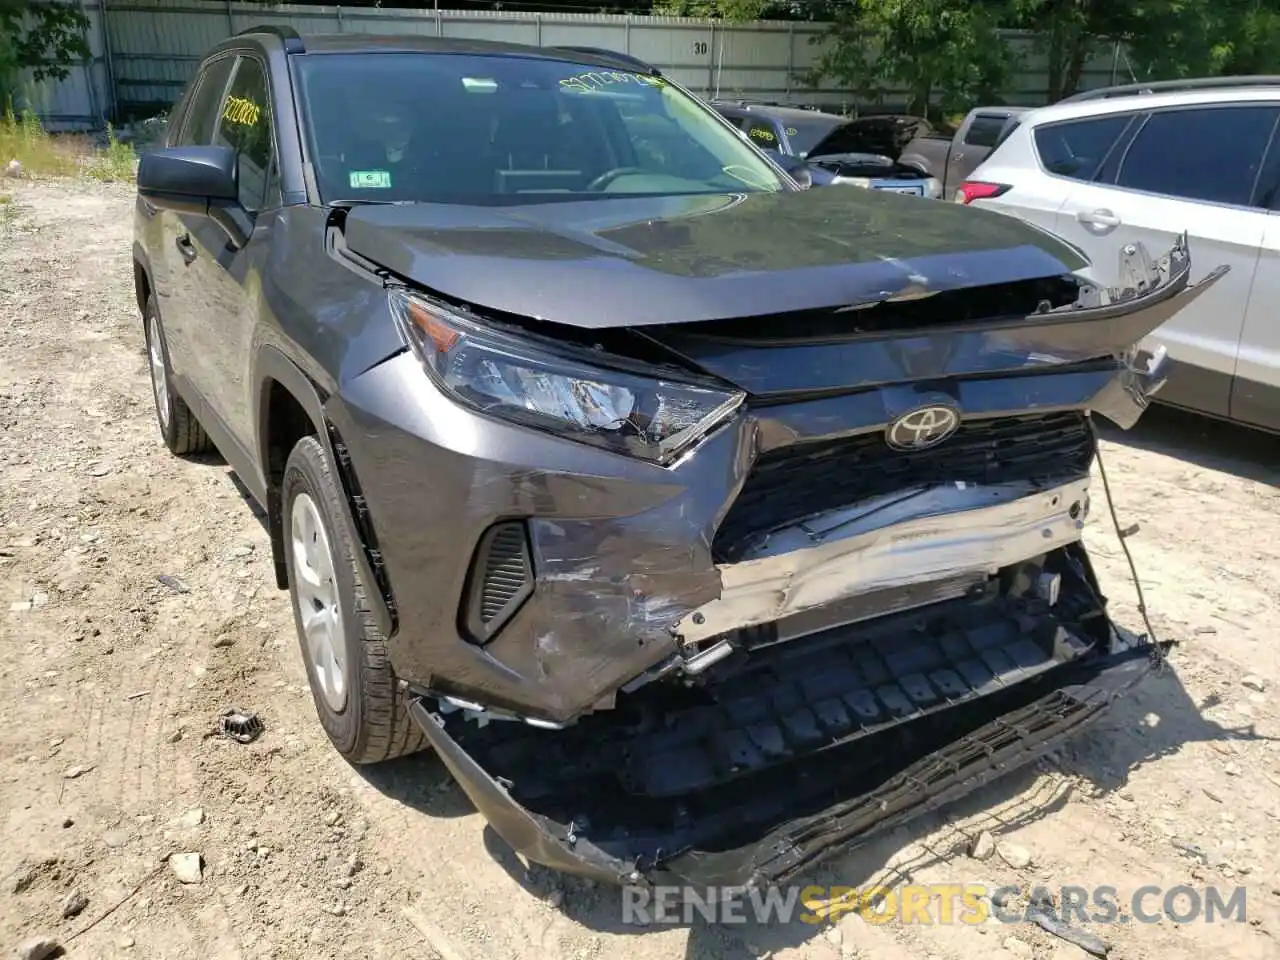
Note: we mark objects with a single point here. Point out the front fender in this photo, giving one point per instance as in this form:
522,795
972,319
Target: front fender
271,366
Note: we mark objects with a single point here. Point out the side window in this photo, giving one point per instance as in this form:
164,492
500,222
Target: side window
763,135
1077,148
245,126
202,113
984,130
735,120
1211,153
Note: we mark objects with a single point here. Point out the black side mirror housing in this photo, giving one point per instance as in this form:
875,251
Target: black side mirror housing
196,180
799,169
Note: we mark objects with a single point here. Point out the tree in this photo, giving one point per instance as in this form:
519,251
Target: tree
724,9
44,38
951,48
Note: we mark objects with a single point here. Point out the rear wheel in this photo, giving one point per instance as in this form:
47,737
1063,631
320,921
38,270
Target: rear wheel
352,684
179,427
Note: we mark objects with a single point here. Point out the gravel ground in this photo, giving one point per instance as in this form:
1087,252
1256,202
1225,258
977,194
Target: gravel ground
112,680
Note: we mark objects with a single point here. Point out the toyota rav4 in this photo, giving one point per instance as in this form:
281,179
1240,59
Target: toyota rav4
701,523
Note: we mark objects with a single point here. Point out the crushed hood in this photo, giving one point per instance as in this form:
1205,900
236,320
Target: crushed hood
635,261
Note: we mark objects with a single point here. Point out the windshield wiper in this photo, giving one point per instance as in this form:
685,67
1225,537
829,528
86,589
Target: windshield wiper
369,203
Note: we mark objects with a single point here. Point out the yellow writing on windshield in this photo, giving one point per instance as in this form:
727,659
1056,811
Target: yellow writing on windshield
599,79
760,133
241,110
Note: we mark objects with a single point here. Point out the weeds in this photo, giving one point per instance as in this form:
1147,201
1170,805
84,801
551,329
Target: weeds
117,162
22,138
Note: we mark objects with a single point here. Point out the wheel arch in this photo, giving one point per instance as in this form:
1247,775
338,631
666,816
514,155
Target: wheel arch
143,285
289,407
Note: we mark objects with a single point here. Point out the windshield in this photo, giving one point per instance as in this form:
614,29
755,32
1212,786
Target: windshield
455,128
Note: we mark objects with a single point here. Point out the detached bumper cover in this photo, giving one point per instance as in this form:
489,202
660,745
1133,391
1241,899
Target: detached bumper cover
946,759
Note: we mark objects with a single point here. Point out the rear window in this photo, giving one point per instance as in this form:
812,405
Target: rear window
1077,148
984,131
455,128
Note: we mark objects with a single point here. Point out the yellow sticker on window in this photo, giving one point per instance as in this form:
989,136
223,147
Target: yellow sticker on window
241,110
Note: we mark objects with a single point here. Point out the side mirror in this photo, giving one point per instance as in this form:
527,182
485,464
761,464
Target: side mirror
798,168
196,180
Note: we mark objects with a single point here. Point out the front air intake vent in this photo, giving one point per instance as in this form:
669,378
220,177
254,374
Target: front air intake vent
501,579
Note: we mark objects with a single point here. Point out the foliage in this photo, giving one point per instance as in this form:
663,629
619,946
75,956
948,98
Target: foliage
44,38
726,9
117,162
23,139
946,47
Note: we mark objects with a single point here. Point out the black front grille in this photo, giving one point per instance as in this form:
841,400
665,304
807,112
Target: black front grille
501,579
806,480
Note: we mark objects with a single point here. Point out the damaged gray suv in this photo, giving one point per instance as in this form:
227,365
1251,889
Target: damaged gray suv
701,523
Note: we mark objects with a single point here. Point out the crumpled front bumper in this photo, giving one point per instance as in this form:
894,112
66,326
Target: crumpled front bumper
951,760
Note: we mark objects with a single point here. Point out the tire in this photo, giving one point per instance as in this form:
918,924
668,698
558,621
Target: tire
367,720
179,427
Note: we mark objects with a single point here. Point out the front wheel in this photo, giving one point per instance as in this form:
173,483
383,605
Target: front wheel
352,684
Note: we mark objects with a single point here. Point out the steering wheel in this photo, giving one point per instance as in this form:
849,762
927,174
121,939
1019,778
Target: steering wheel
606,178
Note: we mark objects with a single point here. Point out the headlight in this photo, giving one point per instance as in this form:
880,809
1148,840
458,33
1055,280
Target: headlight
550,389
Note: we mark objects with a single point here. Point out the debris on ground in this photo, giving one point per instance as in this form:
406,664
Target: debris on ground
76,771
187,867
983,846
1255,683
1014,855
73,904
1040,912
240,726
39,948
173,583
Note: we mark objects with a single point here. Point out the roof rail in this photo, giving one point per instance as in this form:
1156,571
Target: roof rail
625,58
292,42
1171,86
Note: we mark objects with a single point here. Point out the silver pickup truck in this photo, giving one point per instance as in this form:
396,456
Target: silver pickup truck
950,159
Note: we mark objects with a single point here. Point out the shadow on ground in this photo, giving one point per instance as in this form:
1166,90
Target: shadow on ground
1212,444
1103,757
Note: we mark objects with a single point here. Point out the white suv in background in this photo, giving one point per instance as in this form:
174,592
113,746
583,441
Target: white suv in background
1145,163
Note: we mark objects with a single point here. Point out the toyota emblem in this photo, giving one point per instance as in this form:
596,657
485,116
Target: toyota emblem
922,428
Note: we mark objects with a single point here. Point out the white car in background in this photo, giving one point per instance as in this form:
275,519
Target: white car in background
1145,163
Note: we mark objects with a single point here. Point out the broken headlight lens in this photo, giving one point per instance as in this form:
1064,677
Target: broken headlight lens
550,389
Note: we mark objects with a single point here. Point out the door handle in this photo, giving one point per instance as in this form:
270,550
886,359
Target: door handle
1102,220
186,248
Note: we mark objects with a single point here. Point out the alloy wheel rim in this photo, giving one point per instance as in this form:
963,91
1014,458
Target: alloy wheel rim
316,601
159,381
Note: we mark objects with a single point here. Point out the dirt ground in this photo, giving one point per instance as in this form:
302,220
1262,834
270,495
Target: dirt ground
111,681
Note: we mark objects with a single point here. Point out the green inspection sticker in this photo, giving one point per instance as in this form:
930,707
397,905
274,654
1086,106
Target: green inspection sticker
370,179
